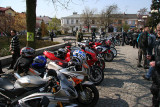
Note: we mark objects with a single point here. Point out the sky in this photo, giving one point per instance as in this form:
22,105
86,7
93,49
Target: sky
47,8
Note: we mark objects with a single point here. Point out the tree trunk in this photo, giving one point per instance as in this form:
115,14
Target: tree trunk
31,20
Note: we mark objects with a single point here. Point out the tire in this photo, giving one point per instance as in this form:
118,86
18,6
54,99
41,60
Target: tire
92,95
114,51
96,75
109,56
101,64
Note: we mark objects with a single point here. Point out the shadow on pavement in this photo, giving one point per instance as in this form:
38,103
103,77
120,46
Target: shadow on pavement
109,102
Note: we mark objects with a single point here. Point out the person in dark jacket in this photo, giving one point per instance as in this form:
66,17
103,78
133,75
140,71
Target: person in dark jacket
52,35
135,36
93,35
124,35
143,45
155,62
1,68
14,48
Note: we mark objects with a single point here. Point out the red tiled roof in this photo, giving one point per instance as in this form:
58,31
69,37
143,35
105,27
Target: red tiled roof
37,18
4,9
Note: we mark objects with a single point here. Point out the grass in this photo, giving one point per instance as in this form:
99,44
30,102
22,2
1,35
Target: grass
5,42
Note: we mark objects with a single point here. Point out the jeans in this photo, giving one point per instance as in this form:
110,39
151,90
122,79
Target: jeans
149,73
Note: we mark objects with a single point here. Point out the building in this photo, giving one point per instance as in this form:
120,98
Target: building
75,22
7,10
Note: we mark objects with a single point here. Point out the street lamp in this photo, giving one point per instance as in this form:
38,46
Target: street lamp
144,17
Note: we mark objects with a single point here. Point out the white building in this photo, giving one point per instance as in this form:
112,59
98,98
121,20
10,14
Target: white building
74,22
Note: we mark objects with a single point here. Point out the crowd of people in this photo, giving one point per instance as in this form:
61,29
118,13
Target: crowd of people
147,42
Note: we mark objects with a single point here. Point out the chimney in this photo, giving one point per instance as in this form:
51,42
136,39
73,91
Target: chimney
8,6
74,13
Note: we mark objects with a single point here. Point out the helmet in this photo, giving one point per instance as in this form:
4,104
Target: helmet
27,52
61,52
79,56
39,62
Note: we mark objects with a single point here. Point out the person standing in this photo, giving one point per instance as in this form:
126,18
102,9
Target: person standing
14,48
79,36
143,45
52,35
135,36
1,68
124,35
93,35
156,73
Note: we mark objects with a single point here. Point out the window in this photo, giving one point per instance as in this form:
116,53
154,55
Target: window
72,21
126,22
76,21
93,22
67,21
10,14
102,22
133,22
119,21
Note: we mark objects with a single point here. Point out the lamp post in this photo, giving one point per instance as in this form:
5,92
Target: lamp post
144,17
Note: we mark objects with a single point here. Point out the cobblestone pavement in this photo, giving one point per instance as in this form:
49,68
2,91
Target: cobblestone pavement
123,85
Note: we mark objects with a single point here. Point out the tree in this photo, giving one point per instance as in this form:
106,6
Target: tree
87,17
55,24
6,23
31,22
143,11
106,15
126,27
44,30
20,21
155,15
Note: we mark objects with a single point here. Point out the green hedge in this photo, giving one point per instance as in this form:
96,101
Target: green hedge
5,42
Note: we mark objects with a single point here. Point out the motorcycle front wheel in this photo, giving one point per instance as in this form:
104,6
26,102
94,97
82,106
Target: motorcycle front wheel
96,75
88,96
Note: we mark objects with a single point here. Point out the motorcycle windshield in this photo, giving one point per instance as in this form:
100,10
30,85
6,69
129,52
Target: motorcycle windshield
89,50
64,81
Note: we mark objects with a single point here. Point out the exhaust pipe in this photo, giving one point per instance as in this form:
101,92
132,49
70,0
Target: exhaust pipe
16,75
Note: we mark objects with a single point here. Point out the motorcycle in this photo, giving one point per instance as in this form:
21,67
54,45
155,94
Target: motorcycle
88,94
33,91
102,50
96,75
92,57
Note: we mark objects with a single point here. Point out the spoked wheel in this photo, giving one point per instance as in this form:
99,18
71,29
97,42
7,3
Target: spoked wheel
96,75
88,96
114,51
109,56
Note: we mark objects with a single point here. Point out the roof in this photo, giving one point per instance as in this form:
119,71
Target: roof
127,16
46,19
4,9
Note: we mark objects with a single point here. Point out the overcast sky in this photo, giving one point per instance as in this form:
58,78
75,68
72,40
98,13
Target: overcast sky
46,7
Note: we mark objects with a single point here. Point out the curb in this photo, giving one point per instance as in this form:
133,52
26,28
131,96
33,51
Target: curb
6,60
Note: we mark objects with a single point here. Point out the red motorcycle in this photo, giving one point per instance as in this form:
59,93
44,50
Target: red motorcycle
96,74
102,49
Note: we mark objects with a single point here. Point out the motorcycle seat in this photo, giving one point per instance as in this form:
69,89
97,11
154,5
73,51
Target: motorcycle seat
5,84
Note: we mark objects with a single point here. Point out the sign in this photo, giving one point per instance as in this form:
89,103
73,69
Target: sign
30,36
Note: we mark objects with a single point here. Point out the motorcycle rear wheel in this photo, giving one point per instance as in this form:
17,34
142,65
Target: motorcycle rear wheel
109,56
101,64
114,51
